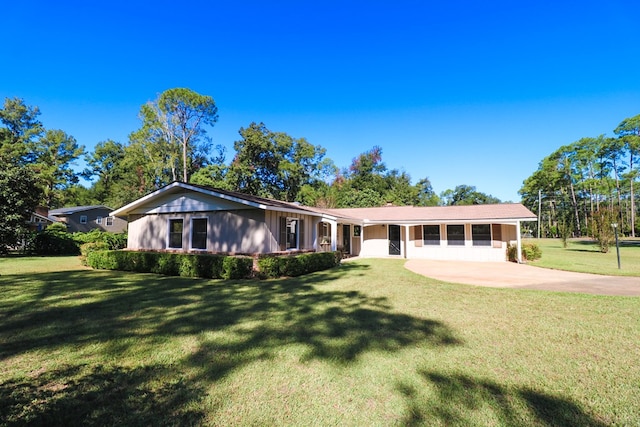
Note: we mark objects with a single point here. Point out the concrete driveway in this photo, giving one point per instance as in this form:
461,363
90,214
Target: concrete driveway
522,276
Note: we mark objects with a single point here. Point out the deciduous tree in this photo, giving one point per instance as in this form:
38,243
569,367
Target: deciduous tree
176,123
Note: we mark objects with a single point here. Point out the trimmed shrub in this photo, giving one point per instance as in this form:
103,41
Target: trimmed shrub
87,248
113,240
272,266
237,267
207,265
54,241
530,252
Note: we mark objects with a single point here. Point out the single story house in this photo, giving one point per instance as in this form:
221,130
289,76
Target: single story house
87,218
188,217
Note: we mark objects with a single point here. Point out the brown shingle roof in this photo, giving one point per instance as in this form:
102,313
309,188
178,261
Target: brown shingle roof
437,213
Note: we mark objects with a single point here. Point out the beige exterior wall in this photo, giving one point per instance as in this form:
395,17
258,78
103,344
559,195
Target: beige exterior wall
306,237
376,241
495,253
242,231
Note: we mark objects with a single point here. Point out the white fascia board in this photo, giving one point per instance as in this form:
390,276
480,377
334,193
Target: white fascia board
298,211
511,221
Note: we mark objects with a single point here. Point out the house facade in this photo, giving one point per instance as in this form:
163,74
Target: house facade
187,217
87,218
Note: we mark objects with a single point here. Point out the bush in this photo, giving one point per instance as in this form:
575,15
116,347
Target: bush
237,267
530,252
272,266
206,265
54,240
87,248
113,240
173,264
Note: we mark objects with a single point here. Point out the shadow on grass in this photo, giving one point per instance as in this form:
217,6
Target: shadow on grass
100,396
463,400
232,323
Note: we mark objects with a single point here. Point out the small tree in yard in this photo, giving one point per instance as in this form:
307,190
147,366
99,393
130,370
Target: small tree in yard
19,196
602,230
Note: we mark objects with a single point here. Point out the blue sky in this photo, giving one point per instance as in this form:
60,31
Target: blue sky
461,92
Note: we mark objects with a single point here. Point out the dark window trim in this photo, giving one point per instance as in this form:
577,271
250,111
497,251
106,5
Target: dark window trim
175,233
481,239
194,236
428,238
456,241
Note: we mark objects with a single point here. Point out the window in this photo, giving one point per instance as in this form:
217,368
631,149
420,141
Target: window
325,233
481,234
109,221
83,219
175,233
455,235
357,230
292,233
431,234
199,233
98,220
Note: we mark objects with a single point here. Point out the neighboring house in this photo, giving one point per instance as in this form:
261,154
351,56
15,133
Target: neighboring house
40,219
188,217
87,218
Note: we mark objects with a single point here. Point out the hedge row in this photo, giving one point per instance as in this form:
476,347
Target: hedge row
209,265
272,266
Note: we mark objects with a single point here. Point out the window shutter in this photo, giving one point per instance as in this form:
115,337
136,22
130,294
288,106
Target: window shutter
283,234
301,230
417,235
497,231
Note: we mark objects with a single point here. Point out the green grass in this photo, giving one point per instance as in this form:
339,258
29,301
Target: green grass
368,343
583,255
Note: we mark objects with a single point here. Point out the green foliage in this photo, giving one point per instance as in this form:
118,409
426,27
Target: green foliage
273,266
173,130
211,266
466,195
53,241
112,240
173,264
19,196
603,231
237,267
87,248
276,165
20,127
530,252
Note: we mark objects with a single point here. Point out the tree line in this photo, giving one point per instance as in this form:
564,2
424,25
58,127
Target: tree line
583,187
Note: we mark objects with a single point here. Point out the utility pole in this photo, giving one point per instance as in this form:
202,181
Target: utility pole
539,210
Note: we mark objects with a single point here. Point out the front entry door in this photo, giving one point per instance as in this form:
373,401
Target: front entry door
346,239
394,240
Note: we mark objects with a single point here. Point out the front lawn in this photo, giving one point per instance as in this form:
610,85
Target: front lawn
367,343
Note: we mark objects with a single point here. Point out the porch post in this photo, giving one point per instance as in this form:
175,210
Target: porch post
519,242
406,240
334,234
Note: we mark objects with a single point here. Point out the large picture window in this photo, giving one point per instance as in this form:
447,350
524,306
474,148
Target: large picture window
481,234
455,235
199,233
431,235
175,233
